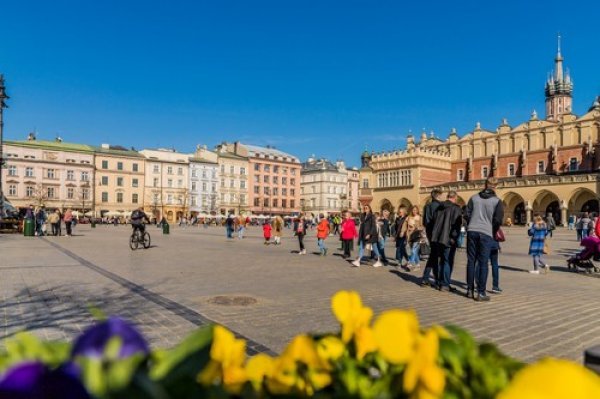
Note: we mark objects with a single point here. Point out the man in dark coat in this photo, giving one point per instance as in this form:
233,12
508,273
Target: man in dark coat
367,234
429,214
444,237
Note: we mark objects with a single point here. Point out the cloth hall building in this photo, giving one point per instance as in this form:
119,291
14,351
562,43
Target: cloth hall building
544,165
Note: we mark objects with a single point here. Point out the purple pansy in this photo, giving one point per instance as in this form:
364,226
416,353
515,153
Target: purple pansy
34,380
94,340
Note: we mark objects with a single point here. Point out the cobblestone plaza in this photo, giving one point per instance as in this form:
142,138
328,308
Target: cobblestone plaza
193,276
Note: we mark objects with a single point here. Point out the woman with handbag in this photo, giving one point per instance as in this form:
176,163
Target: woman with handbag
367,236
537,246
413,230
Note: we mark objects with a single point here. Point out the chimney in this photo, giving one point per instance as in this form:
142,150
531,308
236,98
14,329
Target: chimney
31,136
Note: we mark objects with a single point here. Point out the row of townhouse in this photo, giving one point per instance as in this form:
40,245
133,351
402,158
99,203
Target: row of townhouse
235,178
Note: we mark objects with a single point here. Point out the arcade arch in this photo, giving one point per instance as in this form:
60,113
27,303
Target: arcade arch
584,200
386,205
546,202
514,208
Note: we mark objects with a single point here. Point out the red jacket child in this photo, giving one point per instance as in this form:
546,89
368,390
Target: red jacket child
349,229
323,229
267,231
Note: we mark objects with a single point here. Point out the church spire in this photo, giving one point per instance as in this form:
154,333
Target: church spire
559,88
558,64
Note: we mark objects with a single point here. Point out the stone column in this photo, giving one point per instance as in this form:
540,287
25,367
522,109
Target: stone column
528,212
563,216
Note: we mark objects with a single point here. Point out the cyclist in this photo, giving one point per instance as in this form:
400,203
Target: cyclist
137,221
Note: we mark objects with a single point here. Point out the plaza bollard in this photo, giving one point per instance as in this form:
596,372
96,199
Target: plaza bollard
165,227
29,228
591,358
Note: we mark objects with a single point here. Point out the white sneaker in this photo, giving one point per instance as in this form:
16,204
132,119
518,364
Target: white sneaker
534,271
356,263
377,264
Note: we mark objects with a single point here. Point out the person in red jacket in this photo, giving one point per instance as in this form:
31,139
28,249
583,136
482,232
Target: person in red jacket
322,234
267,232
348,234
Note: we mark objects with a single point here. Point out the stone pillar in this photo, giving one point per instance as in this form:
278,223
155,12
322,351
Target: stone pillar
528,212
563,213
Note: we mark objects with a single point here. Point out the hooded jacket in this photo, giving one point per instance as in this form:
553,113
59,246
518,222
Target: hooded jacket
485,213
368,227
446,224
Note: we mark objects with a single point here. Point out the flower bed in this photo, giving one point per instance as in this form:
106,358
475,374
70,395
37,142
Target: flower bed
391,357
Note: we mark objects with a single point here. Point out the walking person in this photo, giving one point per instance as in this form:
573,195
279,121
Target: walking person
384,233
428,221
585,225
322,234
367,236
277,229
413,231
485,215
242,223
550,223
229,226
267,232
538,232
445,233
571,222
400,237
300,232
68,219
348,234
54,220
40,221
578,227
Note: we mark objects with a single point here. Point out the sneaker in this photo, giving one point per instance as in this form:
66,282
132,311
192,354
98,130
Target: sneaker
424,283
377,264
534,271
546,268
497,290
356,263
470,294
444,288
325,252
481,297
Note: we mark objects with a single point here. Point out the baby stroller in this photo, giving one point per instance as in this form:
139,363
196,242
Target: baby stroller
584,258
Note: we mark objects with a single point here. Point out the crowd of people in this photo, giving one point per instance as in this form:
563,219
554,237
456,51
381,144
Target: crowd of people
50,222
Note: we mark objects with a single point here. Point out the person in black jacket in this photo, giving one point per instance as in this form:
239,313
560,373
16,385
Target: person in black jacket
367,234
444,238
401,255
429,214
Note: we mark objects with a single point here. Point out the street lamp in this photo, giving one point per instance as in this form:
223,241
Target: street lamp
3,98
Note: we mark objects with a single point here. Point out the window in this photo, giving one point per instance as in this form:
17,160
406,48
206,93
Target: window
135,169
266,179
284,203
134,182
242,184
155,182
511,169
275,180
104,164
257,166
179,183
222,182
256,178
119,198
267,168
213,187
180,171
29,191
28,172
460,175
170,183
222,168
169,170
85,176
50,173
256,190
484,172
222,197
193,186
12,190
284,191
365,183
292,181
275,202
266,202
51,192
242,199
194,173
292,192
231,183
104,196
292,202
204,174
169,198
120,167
120,181
194,201
275,191
243,171
541,167
232,169
406,177
203,186
134,198
573,164
12,170
214,174
155,169
275,169
284,180
70,193
256,201
85,193
266,190
293,171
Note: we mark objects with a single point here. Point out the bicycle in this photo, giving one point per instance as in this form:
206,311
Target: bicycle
138,238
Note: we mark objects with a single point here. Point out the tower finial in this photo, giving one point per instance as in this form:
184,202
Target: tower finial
558,52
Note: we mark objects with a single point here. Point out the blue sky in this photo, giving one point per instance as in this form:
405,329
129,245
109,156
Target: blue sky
310,77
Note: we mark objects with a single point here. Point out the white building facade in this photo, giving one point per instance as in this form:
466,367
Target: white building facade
204,182
323,187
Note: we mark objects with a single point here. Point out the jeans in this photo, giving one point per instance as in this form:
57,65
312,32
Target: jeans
579,234
381,249
585,233
39,225
301,241
229,232
68,227
571,226
241,232
414,254
361,249
401,250
478,255
321,244
446,265
538,262
495,268
56,229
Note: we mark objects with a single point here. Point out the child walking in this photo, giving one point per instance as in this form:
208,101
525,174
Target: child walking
348,234
322,234
267,232
538,232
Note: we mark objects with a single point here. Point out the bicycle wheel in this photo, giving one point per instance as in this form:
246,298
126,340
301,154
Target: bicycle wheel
134,241
146,241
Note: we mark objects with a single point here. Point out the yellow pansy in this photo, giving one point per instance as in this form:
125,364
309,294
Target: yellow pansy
553,379
423,378
350,312
227,356
299,369
364,340
396,333
330,348
258,368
